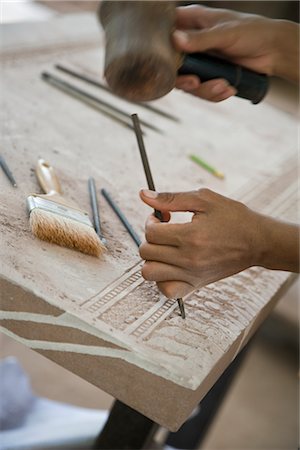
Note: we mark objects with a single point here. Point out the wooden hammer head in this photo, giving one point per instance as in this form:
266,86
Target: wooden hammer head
140,61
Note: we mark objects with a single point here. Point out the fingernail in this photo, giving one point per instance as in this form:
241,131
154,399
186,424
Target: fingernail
149,194
219,87
181,37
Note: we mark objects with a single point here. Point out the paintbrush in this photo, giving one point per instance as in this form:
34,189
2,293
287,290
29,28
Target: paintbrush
158,214
57,220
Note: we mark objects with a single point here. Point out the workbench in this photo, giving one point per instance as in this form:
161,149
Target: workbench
98,318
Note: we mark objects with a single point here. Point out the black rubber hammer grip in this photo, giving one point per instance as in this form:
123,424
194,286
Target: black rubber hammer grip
250,85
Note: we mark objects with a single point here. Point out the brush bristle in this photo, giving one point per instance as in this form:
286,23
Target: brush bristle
65,232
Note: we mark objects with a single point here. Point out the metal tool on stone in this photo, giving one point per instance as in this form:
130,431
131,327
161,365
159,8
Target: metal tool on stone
102,86
121,216
141,64
95,208
104,107
150,182
7,171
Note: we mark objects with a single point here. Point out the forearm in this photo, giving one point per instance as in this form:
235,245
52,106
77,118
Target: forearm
286,62
279,245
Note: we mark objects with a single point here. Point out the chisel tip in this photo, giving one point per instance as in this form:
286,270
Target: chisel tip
181,307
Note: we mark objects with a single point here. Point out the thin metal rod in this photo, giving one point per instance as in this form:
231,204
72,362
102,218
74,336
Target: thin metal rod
158,214
140,141
105,107
181,307
96,83
7,171
121,216
83,96
95,208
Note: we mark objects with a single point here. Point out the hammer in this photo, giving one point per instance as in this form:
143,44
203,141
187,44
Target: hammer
141,63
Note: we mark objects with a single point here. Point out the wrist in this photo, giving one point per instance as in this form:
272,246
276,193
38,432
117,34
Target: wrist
286,50
277,245
258,246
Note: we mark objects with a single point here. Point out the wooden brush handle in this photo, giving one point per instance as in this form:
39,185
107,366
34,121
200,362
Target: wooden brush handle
47,178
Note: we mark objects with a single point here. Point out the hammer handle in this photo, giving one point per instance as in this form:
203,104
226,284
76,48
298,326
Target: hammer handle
249,84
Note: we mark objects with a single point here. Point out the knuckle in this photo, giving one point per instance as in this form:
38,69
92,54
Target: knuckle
143,250
149,233
192,262
204,92
196,263
205,193
147,272
167,197
192,241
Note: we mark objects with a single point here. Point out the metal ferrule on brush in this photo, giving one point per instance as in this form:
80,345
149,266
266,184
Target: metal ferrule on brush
56,208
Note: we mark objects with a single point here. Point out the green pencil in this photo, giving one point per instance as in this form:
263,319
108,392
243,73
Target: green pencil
206,166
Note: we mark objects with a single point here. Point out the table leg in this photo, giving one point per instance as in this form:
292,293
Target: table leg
125,429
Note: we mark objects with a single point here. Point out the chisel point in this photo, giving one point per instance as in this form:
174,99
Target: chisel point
181,307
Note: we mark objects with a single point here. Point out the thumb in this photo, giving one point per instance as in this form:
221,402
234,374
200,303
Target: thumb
200,41
168,201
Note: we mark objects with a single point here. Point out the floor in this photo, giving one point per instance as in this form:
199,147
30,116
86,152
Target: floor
260,411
